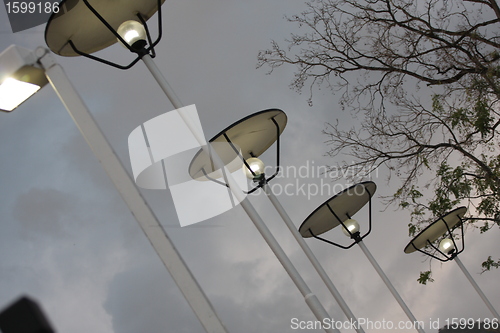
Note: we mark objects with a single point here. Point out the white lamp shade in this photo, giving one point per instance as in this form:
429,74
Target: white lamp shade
436,229
256,165
351,225
446,245
250,136
345,203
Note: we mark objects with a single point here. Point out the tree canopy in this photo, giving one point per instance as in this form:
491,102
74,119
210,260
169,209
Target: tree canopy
423,79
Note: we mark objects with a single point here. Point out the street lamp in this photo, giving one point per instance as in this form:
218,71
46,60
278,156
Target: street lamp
250,137
443,228
339,210
247,138
82,28
20,77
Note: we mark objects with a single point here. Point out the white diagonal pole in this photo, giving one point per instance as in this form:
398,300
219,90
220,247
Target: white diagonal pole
389,285
310,255
310,298
143,214
476,287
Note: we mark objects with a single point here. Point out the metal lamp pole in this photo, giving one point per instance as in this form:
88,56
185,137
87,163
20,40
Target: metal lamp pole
310,255
310,298
355,235
143,214
249,147
65,36
389,285
476,287
338,211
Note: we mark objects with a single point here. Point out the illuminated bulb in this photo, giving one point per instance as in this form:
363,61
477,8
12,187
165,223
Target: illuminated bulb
256,165
132,31
352,226
446,245
14,92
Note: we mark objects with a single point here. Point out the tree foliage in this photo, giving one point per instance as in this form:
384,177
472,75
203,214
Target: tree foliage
423,79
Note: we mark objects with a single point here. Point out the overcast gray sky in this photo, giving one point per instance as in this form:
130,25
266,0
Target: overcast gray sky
68,240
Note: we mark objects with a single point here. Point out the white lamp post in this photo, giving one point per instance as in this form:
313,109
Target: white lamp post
249,138
42,62
86,28
339,210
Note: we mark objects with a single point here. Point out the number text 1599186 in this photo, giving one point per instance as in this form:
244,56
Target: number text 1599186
17,7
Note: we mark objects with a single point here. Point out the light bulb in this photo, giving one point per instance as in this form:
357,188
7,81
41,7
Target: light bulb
446,246
132,31
352,226
256,165
13,92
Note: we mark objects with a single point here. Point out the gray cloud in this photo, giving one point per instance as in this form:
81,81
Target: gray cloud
67,238
44,212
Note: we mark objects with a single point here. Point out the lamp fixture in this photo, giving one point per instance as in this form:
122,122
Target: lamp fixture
243,142
442,227
21,77
338,210
82,28
447,248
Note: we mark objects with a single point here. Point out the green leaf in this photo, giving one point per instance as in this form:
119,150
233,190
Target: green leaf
483,118
425,277
412,229
490,263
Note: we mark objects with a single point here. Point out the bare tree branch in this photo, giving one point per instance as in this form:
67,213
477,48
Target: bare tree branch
384,57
